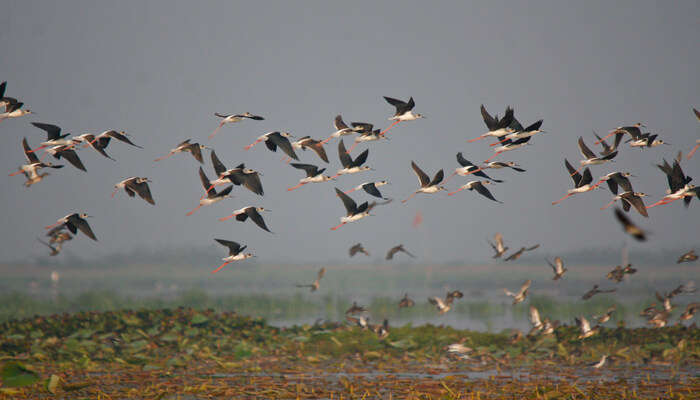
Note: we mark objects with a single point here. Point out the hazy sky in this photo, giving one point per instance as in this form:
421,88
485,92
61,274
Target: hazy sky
160,69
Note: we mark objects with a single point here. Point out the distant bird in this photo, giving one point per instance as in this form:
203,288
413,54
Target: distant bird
589,156
357,248
361,321
585,328
406,302
396,249
353,212
211,196
73,222
618,273
520,252
459,350
632,130
479,187
351,166
509,145
381,330
13,109
57,236
582,183
317,283
629,226
520,296
403,111
53,136
646,140
135,185
441,305
313,174
232,118
341,129
557,268
659,319
615,179
307,142
193,148
106,136
426,185
607,149
364,136
452,295
249,212
599,364
606,317
498,247
31,169
502,164
630,199
697,141
277,139
355,309
535,320
690,311
469,168
235,253
496,127
55,250
595,291
688,257
519,132
240,175
370,188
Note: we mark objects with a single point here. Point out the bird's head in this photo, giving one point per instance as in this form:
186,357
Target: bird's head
261,209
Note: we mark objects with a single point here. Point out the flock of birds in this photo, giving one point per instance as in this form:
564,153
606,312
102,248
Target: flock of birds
507,131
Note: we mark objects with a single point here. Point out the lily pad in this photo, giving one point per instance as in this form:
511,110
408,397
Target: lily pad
15,374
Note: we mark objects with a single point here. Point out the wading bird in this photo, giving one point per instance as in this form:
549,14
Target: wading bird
426,185
232,118
31,170
135,185
585,328
496,127
630,199
249,212
469,168
307,142
277,139
403,112
618,273
193,148
557,268
73,222
354,213
687,257
678,183
357,248
589,156
317,283
582,183
240,175
235,253
351,166
355,309
370,188
502,164
520,296
479,187
498,247
606,317
313,174
519,132
211,196
341,129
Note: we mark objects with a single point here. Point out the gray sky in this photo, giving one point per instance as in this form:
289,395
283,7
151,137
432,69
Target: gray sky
160,70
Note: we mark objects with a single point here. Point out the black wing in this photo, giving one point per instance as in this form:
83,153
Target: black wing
463,161
197,152
252,182
53,132
630,227
257,218
81,224
31,157
488,119
587,153
339,123
612,185
233,247
587,177
350,205
360,159
437,178
422,176
219,167
479,187
3,85
637,203
535,126
507,119
143,191
120,137
72,157
205,182
372,189
572,171
345,159
283,144
624,183
311,170
401,106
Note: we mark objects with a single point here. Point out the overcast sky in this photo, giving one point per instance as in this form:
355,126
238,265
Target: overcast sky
160,69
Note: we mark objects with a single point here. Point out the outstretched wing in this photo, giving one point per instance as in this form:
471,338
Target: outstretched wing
422,176
350,205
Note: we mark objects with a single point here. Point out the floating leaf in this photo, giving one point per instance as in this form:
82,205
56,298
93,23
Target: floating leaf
199,319
15,374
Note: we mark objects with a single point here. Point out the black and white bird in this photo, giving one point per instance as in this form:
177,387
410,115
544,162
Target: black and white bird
678,183
211,196
249,212
276,139
469,168
33,166
630,199
233,118
426,184
235,253
135,185
240,175
68,154
403,112
341,129
496,127
502,164
582,183
193,148
589,156
74,222
307,142
313,175
479,186
351,166
353,212
519,132
370,188
53,136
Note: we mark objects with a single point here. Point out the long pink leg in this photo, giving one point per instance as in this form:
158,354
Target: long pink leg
493,156
227,217
327,140
409,197
16,173
335,176
253,144
458,190
296,187
661,202
607,205
53,225
476,138
338,226
164,157
215,131
449,177
690,155
387,129
498,142
352,147
562,199
605,137
195,209
350,191
222,265
114,192
38,148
